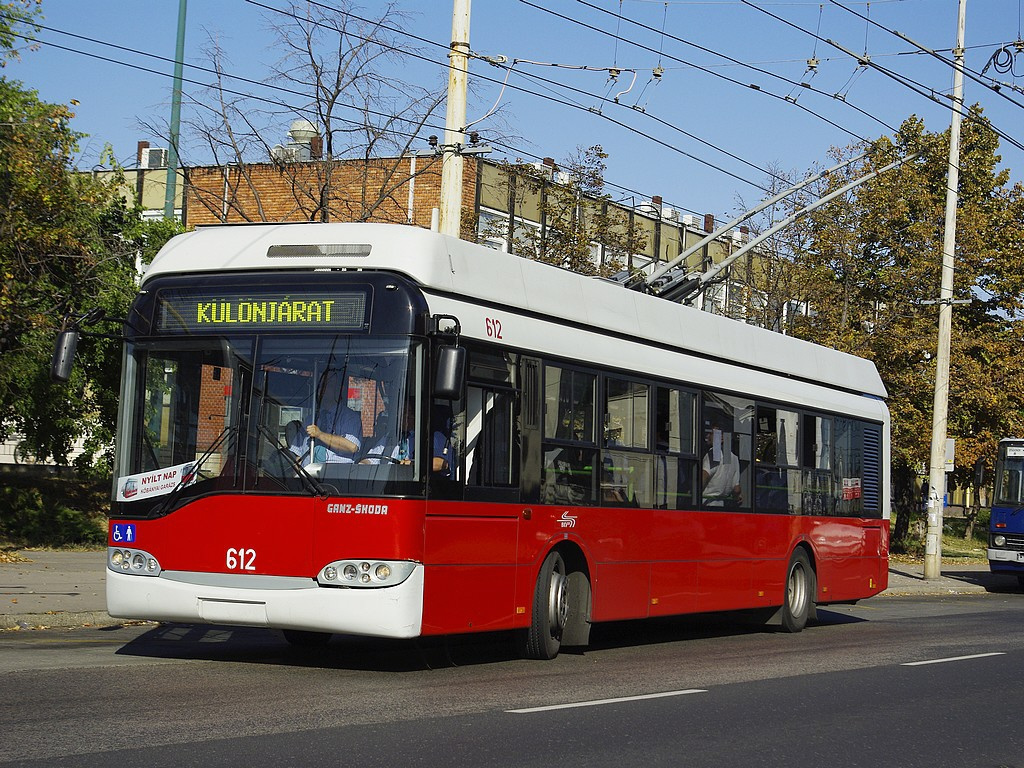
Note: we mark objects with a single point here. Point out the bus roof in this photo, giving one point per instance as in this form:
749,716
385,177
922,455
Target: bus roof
442,264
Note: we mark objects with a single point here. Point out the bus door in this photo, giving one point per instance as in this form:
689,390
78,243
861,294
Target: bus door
473,518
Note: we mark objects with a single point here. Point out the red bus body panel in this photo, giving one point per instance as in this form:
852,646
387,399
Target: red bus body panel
481,560
197,536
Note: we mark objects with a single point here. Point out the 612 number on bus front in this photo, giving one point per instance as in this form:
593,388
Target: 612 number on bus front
240,559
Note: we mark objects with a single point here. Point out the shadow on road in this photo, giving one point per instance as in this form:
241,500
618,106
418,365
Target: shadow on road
267,646
992,582
910,578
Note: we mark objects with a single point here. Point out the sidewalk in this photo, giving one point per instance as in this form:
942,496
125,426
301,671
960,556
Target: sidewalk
67,589
908,579
54,589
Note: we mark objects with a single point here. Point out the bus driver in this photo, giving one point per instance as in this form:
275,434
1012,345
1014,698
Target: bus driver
340,429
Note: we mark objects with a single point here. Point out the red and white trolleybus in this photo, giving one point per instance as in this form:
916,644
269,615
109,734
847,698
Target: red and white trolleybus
379,430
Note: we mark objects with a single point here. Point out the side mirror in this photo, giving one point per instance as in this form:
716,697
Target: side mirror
63,355
451,372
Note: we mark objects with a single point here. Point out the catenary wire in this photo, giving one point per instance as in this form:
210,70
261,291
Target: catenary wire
750,66
573,105
747,86
516,151
427,124
910,84
971,74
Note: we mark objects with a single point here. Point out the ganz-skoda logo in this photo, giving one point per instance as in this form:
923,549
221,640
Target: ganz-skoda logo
567,520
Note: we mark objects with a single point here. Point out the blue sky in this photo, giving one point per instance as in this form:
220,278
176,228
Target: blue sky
699,135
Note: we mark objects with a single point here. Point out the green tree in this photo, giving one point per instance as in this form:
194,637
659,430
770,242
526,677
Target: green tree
68,244
580,229
872,264
17,27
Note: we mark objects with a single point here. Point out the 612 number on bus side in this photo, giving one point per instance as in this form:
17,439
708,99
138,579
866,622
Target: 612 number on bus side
240,559
493,326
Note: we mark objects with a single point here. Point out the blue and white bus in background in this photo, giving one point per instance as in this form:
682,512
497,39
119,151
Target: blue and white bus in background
1006,527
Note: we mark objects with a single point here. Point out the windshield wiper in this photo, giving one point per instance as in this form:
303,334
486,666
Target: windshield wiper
186,477
318,488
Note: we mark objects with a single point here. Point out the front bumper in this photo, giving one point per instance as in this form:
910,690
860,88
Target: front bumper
269,601
1008,560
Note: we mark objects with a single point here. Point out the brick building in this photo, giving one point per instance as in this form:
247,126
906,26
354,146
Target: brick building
497,202
503,207
398,190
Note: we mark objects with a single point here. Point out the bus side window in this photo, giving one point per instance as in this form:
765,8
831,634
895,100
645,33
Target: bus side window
447,438
727,451
492,424
570,456
1010,486
627,468
675,462
777,480
847,488
491,443
816,464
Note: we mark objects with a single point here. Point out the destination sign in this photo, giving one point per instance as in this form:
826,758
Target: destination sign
188,312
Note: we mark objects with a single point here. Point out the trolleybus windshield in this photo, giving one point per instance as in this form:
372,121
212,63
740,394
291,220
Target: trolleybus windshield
1009,472
268,414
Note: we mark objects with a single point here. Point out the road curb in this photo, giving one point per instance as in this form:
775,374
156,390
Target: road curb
62,619
930,592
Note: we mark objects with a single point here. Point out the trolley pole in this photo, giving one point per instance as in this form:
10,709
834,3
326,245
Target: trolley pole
937,471
455,121
172,150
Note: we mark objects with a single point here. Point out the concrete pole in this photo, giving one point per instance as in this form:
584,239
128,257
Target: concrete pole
937,466
172,150
455,121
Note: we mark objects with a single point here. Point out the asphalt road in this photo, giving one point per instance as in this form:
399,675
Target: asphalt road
694,692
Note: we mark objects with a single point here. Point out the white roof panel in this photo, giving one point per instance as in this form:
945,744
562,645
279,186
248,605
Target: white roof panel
443,264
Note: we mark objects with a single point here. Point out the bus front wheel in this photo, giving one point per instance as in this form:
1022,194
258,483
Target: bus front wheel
550,609
800,590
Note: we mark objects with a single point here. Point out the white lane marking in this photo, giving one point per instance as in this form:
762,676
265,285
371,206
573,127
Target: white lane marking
954,658
598,702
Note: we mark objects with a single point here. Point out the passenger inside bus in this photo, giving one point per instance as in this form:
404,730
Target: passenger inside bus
396,446
720,469
441,441
400,446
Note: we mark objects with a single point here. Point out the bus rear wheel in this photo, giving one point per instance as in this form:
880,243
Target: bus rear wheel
550,609
800,590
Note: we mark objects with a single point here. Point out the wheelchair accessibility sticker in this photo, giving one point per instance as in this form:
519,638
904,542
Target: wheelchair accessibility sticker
122,533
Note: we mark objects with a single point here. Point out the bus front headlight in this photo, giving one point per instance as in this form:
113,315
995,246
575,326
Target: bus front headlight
365,573
136,561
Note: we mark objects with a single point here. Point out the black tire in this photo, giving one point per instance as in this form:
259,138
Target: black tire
550,610
302,638
799,592
1020,581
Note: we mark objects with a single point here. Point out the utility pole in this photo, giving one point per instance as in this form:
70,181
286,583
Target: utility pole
172,150
455,121
937,466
